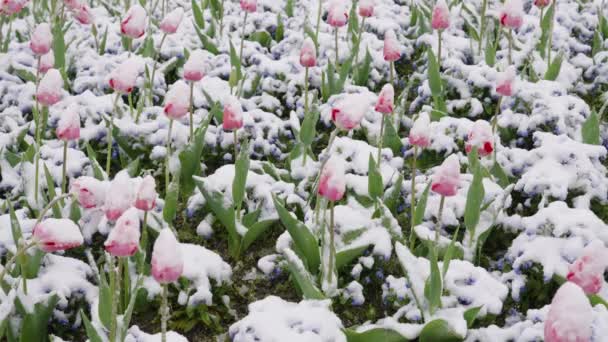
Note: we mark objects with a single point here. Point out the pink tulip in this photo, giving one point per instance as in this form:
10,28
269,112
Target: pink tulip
68,127
308,54
446,178
419,134
119,197
338,13
72,4
481,137
249,5
123,77
134,24
391,46
47,62
570,316
332,184
167,260
10,7
441,16
177,100
146,195
233,115
386,99
171,22
83,14
194,69
366,8
50,87
541,3
512,14
123,239
41,39
53,235
505,82
89,192
588,270
348,112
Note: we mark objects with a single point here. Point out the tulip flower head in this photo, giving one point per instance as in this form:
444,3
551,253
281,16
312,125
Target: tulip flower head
123,77
505,82
53,235
386,99
83,14
146,195
420,132
119,197
570,316
332,183
10,7
47,62
194,69
233,115
50,88
588,270
480,137
134,23
68,127
167,260
177,100
512,14
366,8
349,111
308,54
249,5
41,39
446,178
171,22
337,15
392,52
123,239
441,16
541,3
89,192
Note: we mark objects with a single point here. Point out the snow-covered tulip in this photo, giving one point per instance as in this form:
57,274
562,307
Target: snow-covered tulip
146,194
366,8
10,7
349,111
588,270
53,235
83,14
391,46
47,62
123,77
119,196
337,15
446,178
233,115
194,68
480,137
249,5
50,88
332,183
177,101
123,239
512,14
89,192
308,54
167,260
386,99
441,16
505,82
72,4
542,3
171,22
419,134
68,126
134,23
570,316
41,39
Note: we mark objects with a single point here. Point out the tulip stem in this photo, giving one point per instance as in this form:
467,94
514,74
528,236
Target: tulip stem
236,139
12,260
439,215
110,128
391,70
510,56
359,36
38,124
113,286
336,42
156,56
495,123
64,179
305,109
550,38
50,205
482,28
439,48
167,173
540,20
413,200
332,247
164,313
243,39
380,141
319,9
222,20
191,111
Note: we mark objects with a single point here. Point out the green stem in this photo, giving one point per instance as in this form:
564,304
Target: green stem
495,123
550,39
332,247
305,108
130,98
64,179
380,141
236,140
359,36
439,49
243,39
168,156
156,55
222,20
164,313
38,128
413,199
12,260
438,227
540,20
191,111
510,46
392,68
110,128
482,29
318,23
113,309
336,43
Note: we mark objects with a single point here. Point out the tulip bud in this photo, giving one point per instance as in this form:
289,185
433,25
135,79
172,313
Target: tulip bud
420,132
541,3
505,82
134,24
123,239
119,197
249,5
386,99
146,195
53,235
10,7
194,69
588,270
171,22
47,62
391,46
338,13
123,77
177,100
72,4
308,54
441,16
167,260
233,115
366,8
83,14
348,112
89,192
68,127
480,137
41,39
512,14
446,178
50,87
332,183
570,316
